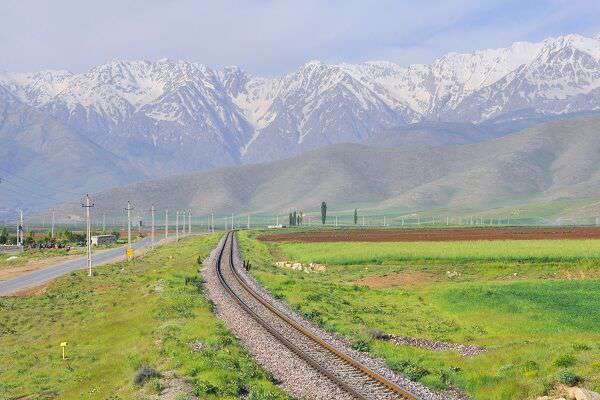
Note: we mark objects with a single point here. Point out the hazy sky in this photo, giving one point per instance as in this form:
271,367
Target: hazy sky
273,37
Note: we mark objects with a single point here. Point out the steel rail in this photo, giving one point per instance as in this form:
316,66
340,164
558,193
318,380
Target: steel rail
377,378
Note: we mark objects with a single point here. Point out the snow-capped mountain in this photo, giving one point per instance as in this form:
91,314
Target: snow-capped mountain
170,116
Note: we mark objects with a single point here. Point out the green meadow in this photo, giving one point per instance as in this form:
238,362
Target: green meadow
150,312
350,253
534,305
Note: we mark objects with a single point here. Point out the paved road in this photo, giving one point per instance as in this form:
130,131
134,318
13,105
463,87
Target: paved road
36,278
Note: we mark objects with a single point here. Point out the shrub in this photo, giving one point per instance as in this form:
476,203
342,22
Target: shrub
566,360
581,347
361,345
411,370
530,366
144,373
205,388
569,378
3,235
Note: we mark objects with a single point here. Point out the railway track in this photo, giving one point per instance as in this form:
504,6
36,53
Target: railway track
349,374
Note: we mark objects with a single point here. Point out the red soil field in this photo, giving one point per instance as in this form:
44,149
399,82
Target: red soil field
434,235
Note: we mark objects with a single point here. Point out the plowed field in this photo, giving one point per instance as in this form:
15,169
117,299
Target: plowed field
435,235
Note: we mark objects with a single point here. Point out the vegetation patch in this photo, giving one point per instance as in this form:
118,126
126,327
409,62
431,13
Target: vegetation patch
537,327
129,315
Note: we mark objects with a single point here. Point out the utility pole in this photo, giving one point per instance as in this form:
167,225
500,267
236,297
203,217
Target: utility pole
166,224
52,226
87,207
189,222
152,210
129,209
177,225
103,223
248,224
212,222
232,224
20,229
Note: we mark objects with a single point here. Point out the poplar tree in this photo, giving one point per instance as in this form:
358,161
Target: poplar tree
323,212
355,216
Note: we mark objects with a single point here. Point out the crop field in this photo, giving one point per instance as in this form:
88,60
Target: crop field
533,306
432,234
131,321
348,253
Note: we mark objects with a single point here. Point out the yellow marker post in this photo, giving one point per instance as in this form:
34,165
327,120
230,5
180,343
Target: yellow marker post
129,253
63,345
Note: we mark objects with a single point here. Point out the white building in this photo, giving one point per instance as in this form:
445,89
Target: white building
103,239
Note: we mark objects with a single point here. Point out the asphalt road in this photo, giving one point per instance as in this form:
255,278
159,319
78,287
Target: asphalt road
41,276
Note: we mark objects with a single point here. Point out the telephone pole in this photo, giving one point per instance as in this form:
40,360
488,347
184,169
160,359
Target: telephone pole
177,225
20,229
166,224
87,207
52,226
129,209
189,222
152,214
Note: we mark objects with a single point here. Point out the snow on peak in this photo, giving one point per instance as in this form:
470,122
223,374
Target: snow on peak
120,88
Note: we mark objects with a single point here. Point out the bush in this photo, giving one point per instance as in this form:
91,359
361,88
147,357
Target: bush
412,371
581,347
3,235
361,345
565,360
569,378
144,373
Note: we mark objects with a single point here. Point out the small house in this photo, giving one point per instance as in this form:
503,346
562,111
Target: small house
103,239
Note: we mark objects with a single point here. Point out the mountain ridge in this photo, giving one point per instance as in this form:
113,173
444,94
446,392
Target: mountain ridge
165,117
539,164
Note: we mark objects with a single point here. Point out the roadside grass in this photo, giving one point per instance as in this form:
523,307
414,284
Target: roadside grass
537,319
32,255
525,251
146,312
27,256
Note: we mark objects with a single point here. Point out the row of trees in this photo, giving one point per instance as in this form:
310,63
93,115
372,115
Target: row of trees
296,218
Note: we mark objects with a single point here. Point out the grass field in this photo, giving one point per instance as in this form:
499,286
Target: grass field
534,306
499,250
145,312
25,257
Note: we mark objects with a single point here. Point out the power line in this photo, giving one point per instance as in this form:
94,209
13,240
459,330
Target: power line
55,190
